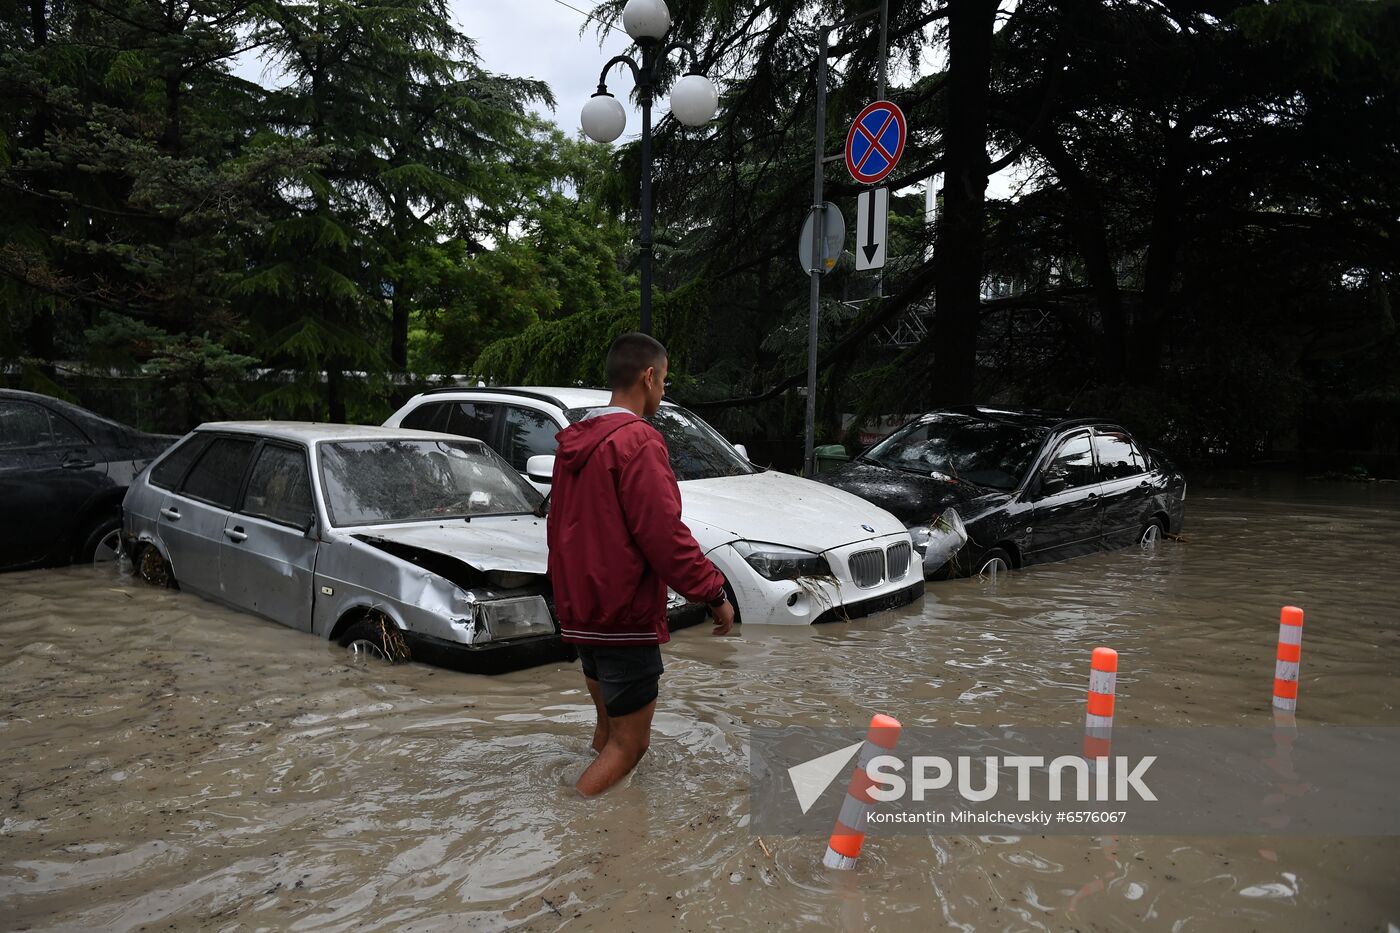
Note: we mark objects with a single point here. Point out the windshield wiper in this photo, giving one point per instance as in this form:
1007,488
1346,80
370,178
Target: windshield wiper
952,477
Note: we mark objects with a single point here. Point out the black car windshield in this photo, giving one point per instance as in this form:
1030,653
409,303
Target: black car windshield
410,479
994,454
697,451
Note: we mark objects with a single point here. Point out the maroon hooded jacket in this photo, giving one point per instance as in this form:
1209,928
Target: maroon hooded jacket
616,538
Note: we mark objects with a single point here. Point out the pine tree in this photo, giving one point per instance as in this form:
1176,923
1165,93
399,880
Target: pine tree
410,135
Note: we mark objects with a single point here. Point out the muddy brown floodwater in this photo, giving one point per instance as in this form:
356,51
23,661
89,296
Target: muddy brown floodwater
171,764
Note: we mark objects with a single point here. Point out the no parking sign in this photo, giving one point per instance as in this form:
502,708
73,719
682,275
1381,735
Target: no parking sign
875,142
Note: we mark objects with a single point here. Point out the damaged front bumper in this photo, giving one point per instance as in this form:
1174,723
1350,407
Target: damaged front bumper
937,542
490,657
804,600
865,607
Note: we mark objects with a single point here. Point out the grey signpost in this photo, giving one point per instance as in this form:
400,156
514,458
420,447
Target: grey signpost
831,242
818,212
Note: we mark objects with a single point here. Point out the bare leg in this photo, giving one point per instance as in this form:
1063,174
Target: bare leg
628,738
600,731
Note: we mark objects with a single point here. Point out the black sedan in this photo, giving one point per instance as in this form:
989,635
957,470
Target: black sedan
63,472
1027,487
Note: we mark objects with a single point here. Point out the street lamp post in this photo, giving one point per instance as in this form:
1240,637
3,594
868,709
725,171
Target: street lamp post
694,101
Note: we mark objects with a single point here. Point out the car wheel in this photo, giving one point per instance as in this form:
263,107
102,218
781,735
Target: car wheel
1151,533
375,638
993,564
103,542
153,568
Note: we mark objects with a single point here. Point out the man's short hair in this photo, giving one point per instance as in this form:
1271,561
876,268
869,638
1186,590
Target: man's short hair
630,356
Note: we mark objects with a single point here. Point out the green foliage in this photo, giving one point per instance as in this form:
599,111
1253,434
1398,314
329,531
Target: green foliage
193,377
142,179
572,350
561,256
1201,240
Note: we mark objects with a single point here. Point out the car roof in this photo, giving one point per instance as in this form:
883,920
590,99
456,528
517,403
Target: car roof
1029,417
76,412
313,431
565,397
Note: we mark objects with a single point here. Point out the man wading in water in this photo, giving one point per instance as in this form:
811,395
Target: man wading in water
615,541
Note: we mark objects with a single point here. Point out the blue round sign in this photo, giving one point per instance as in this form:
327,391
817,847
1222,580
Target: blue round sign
875,142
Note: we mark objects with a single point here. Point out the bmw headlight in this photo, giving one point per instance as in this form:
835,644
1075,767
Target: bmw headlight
776,562
921,535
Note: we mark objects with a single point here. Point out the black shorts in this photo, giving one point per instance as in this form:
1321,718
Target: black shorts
629,674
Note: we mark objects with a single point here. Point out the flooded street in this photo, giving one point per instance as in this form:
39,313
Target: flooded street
172,764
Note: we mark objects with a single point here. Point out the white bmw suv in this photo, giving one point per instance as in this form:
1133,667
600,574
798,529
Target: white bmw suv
794,551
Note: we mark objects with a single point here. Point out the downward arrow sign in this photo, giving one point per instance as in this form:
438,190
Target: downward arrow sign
871,247
872,215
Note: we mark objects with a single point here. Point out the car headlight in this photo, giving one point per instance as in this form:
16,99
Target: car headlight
504,619
921,535
775,562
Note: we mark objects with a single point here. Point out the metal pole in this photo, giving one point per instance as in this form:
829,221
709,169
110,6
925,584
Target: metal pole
930,214
809,458
645,86
818,261
884,45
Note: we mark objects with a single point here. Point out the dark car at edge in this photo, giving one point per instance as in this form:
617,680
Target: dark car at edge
1028,486
63,472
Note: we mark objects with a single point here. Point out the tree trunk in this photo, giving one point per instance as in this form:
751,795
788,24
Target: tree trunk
398,328
174,131
1090,231
39,31
40,333
1159,270
960,239
335,392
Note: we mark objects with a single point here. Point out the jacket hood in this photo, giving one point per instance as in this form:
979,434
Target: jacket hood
915,499
578,441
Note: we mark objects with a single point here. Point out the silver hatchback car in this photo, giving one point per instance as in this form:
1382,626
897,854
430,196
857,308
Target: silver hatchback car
394,543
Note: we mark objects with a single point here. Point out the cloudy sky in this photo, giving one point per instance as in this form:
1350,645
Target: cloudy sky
533,39
540,39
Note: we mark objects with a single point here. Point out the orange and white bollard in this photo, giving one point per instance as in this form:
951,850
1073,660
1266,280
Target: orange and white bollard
1098,717
1290,655
847,837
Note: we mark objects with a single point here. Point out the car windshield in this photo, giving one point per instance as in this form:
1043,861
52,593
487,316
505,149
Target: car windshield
697,451
411,479
993,454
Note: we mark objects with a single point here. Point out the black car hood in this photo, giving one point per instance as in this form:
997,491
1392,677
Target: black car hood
913,499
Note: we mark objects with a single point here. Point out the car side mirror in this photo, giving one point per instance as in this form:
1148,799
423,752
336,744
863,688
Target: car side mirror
309,529
1051,483
540,469
743,451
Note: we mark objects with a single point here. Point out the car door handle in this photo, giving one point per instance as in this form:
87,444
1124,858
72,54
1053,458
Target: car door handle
1092,495
78,464
1144,485
172,514
236,533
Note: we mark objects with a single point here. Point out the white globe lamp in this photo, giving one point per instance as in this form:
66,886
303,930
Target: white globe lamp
646,20
694,100
603,118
